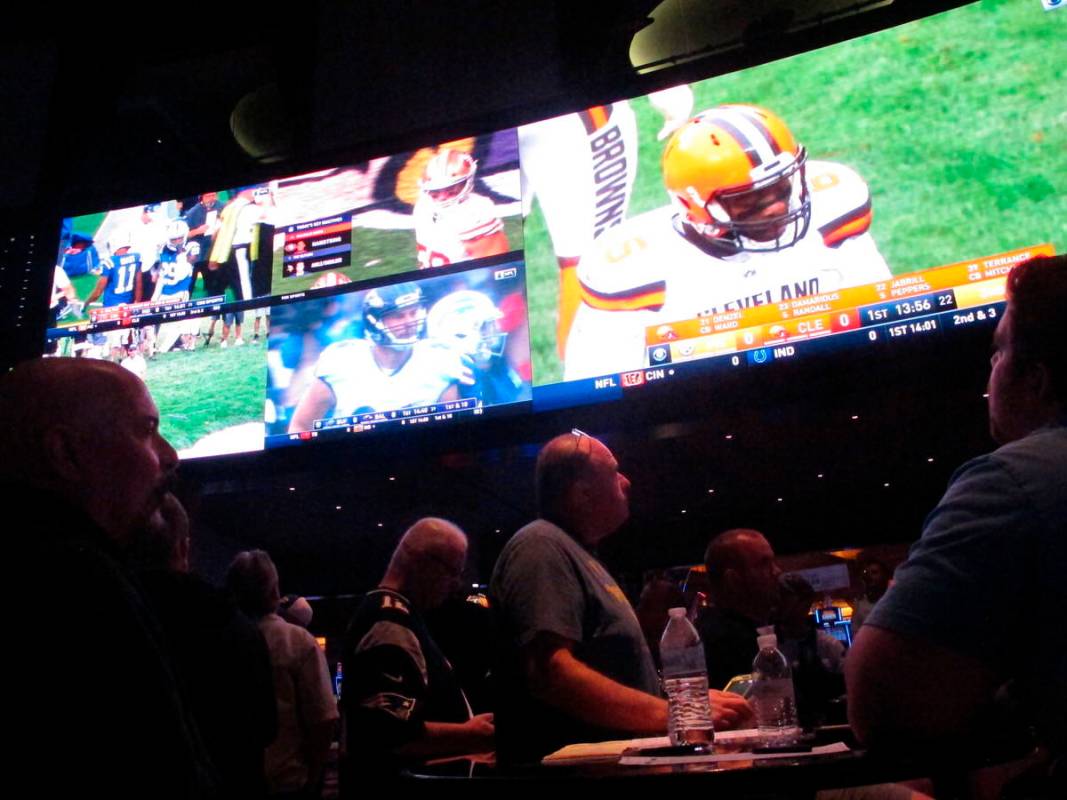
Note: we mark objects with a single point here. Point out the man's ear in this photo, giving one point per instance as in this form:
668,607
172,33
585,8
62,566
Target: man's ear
730,577
62,453
577,494
1039,383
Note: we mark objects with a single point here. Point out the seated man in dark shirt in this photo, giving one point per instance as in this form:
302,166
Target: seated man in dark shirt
402,703
219,655
743,576
977,609
816,658
84,471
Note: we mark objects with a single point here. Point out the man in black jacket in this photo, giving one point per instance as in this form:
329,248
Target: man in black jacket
98,710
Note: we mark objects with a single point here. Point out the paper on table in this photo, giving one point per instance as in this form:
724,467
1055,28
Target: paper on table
609,751
639,760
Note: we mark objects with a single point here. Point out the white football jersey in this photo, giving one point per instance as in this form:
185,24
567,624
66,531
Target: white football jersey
581,167
443,235
359,384
148,239
647,273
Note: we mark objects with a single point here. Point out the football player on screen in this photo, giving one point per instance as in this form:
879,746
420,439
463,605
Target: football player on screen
174,285
64,301
147,237
753,222
394,366
118,283
118,275
468,322
452,223
582,168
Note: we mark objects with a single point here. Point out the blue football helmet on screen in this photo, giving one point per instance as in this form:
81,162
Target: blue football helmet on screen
394,316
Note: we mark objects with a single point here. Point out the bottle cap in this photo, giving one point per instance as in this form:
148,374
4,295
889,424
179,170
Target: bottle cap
677,612
767,640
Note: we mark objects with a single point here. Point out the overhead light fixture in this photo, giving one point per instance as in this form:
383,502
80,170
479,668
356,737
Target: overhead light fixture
681,31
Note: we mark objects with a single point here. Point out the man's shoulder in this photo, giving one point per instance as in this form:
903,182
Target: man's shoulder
840,201
1044,449
352,345
383,625
539,534
537,546
429,351
286,637
626,268
341,355
476,212
381,604
1036,464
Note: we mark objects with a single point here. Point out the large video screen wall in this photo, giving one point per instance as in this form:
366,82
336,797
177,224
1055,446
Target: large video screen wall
854,196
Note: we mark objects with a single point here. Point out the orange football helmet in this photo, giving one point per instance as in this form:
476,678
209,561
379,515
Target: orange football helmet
737,175
449,177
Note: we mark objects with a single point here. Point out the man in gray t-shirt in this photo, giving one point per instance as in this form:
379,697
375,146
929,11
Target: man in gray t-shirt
575,665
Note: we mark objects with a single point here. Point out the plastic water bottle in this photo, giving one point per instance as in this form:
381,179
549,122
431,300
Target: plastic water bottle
772,694
685,681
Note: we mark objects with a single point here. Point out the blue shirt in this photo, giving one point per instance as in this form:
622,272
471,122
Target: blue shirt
175,273
121,273
988,578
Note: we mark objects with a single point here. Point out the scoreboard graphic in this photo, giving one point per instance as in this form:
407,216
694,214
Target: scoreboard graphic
909,304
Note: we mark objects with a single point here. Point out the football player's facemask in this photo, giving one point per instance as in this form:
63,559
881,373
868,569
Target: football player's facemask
177,233
469,322
394,316
449,177
738,176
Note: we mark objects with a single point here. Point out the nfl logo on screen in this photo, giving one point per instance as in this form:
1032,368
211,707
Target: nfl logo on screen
1052,5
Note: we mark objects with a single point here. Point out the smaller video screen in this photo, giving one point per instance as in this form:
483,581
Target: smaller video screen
429,208
206,373
416,351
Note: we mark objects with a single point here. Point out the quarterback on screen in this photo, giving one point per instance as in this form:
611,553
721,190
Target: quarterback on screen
753,221
394,366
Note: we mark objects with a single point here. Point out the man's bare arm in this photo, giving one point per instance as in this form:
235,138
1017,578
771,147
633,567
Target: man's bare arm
558,678
452,738
317,400
98,289
904,691
561,680
317,743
